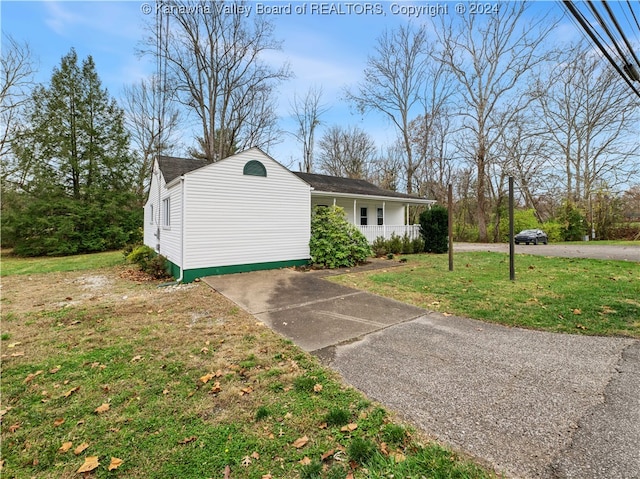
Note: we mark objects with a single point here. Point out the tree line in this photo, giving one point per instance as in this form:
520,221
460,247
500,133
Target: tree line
472,100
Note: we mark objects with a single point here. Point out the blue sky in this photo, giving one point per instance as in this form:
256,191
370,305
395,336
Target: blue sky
324,50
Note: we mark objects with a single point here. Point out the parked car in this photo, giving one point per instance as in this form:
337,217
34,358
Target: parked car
531,236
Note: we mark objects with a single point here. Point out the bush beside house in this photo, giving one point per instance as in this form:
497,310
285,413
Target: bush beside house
434,228
334,241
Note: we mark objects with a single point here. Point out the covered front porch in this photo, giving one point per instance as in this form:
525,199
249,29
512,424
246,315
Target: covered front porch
375,217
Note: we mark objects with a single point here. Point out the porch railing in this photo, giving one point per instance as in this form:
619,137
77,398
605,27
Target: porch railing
371,232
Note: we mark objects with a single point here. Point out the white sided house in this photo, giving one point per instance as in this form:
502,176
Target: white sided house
247,212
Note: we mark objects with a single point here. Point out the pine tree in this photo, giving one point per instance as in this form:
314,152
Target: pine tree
80,170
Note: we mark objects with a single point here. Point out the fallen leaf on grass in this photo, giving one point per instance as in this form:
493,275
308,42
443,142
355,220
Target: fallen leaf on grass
580,326
58,422
267,476
216,387
30,377
349,427
206,378
398,456
227,472
115,463
245,391
300,442
246,461
136,358
102,408
255,455
81,448
305,461
14,427
187,440
65,446
317,388
55,370
71,391
90,463
327,455
577,311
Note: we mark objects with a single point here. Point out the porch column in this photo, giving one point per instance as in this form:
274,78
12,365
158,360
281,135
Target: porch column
384,220
355,218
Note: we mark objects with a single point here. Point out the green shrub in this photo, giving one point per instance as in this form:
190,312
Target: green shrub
334,241
522,220
418,245
407,244
434,228
553,230
149,261
573,223
380,247
395,244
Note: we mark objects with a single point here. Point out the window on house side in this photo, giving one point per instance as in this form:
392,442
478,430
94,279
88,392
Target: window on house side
151,218
166,212
363,216
380,216
254,168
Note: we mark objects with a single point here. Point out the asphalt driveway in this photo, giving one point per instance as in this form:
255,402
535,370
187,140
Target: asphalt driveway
587,249
530,404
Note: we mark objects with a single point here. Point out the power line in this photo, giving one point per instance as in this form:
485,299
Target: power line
627,71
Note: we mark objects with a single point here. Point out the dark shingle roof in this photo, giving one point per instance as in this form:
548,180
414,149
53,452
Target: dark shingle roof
172,167
335,184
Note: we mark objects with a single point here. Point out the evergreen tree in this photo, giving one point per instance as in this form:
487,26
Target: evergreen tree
79,169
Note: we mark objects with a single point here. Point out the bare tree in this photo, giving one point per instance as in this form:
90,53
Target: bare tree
151,134
394,82
214,56
346,152
429,134
386,169
592,121
490,57
307,112
16,69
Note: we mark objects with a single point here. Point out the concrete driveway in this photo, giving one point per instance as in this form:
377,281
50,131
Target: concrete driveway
528,403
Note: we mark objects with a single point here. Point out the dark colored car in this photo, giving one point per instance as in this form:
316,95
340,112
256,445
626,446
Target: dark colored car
531,236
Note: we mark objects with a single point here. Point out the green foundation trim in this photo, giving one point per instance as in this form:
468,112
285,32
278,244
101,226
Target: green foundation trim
191,274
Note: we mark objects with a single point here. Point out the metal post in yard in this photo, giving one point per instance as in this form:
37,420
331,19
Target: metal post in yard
450,199
512,246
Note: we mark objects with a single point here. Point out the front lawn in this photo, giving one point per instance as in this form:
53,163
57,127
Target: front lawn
568,295
11,265
130,380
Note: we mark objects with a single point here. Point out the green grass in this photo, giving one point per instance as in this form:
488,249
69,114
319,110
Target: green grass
12,265
579,296
148,360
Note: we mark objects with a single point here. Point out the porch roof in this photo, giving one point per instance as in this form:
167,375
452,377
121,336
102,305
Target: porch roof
325,185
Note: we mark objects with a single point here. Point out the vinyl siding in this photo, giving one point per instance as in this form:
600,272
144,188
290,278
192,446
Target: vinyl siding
232,218
165,241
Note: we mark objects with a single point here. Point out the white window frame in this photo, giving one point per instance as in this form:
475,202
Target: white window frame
151,212
166,212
